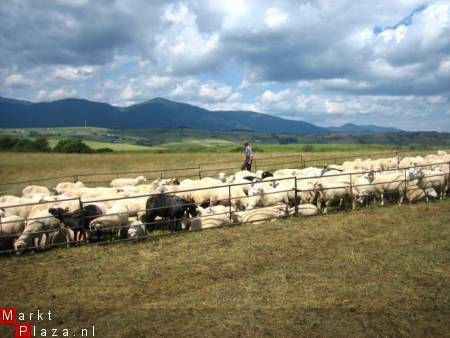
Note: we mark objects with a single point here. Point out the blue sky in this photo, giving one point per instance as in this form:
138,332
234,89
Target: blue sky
325,62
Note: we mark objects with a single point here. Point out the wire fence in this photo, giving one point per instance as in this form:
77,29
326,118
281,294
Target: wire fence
194,171
113,224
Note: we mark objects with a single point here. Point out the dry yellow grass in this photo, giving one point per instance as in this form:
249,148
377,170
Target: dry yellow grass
29,166
376,272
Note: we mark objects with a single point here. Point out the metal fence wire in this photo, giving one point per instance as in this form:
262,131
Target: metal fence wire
194,171
44,232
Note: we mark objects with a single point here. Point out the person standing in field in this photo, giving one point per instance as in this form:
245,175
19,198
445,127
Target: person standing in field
248,157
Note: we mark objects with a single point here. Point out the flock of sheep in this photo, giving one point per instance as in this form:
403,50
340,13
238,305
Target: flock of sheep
72,212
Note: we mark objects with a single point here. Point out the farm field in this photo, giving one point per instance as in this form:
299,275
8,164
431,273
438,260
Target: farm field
374,272
181,140
28,166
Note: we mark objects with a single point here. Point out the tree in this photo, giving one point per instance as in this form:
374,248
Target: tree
41,144
72,146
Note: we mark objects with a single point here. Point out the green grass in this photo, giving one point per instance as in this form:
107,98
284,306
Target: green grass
121,147
180,140
376,272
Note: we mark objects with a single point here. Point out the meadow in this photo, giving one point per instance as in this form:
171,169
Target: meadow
181,140
26,167
372,272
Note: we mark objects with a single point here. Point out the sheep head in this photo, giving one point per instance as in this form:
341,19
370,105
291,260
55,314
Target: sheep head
222,177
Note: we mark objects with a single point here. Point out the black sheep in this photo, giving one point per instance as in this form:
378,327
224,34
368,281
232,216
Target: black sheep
167,207
77,220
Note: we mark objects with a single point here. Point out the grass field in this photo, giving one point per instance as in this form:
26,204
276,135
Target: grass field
181,140
26,167
375,272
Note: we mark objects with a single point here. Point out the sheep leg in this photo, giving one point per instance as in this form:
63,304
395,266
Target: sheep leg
325,210
67,236
353,204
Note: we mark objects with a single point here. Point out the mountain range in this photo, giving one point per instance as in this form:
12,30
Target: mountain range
155,113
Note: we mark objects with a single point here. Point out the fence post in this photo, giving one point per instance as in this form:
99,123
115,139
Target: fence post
229,199
199,172
80,203
295,197
255,166
406,186
351,191
301,161
161,174
448,181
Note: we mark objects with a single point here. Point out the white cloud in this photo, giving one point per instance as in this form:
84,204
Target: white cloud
269,97
340,61
17,80
73,73
181,47
58,94
275,17
215,91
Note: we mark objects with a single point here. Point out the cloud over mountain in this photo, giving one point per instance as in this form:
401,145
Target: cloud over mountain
384,62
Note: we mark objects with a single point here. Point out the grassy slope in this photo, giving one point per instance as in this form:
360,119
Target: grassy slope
376,272
190,140
123,147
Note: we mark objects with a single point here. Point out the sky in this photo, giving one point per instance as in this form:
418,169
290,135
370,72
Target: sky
330,62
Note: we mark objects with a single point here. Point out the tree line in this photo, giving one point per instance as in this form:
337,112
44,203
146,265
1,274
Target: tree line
41,144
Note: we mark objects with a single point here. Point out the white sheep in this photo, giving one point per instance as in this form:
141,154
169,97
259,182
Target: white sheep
362,188
10,228
120,182
32,190
415,193
39,223
222,196
394,182
195,191
261,196
434,178
18,206
136,230
307,209
114,220
285,173
331,191
243,173
262,215
306,192
62,187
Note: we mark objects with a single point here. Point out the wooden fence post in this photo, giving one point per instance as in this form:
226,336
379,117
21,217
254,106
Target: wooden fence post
295,197
229,199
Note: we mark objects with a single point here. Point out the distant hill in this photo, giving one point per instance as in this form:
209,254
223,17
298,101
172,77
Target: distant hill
155,113
354,129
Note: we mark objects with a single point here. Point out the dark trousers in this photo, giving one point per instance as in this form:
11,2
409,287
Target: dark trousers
247,165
